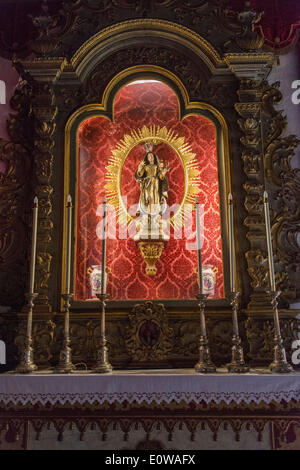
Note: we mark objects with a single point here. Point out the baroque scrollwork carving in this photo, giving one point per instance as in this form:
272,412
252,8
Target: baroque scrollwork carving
260,336
197,81
240,26
248,39
285,184
15,156
143,6
186,342
85,337
43,337
60,28
256,268
251,163
250,125
53,29
146,55
44,263
267,155
220,340
44,113
71,97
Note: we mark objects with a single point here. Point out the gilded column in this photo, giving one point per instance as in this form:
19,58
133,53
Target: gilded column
249,110
44,112
266,159
43,73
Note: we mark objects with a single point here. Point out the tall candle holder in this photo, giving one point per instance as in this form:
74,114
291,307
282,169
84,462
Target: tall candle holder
27,364
204,365
102,366
279,364
65,365
237,364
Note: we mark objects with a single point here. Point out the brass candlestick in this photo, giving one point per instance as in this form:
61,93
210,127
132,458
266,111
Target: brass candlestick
102,366
237,364
280,364
27,365
65,365
205,365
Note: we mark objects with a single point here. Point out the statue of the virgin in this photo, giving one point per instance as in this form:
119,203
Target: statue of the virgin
151,174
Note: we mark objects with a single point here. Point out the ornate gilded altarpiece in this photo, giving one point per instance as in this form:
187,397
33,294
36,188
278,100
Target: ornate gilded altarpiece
79,58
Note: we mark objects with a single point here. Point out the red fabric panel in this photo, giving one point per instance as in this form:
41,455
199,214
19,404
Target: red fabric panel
137,105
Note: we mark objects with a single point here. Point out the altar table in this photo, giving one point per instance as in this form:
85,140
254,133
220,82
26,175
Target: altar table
149,387
142,409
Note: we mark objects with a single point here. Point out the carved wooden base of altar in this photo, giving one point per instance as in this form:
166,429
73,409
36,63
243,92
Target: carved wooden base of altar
148,335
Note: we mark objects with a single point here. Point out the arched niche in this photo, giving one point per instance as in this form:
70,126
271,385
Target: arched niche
107,114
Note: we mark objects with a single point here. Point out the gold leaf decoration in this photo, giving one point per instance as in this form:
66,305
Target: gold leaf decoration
157,135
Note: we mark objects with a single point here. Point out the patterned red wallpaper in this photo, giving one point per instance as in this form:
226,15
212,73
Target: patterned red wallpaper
138,104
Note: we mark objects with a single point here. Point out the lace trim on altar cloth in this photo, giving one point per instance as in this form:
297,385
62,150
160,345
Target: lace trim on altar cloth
148,388
148,398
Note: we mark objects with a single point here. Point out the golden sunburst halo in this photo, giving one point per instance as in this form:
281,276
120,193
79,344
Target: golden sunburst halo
157,135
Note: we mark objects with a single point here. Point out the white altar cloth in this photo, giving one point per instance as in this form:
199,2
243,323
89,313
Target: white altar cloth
155,386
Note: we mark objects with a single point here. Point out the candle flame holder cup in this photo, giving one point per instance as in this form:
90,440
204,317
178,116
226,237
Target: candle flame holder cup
65,365
204,365
237,364
280,364
102,366
27,365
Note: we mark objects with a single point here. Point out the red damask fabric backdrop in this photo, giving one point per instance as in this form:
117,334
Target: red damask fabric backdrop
145,103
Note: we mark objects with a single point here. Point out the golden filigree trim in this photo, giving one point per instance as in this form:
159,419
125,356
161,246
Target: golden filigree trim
157,135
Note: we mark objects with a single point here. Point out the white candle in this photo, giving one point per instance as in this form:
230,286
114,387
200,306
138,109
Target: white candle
199,247
269,242
33,244
231,244
69,244
103,267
